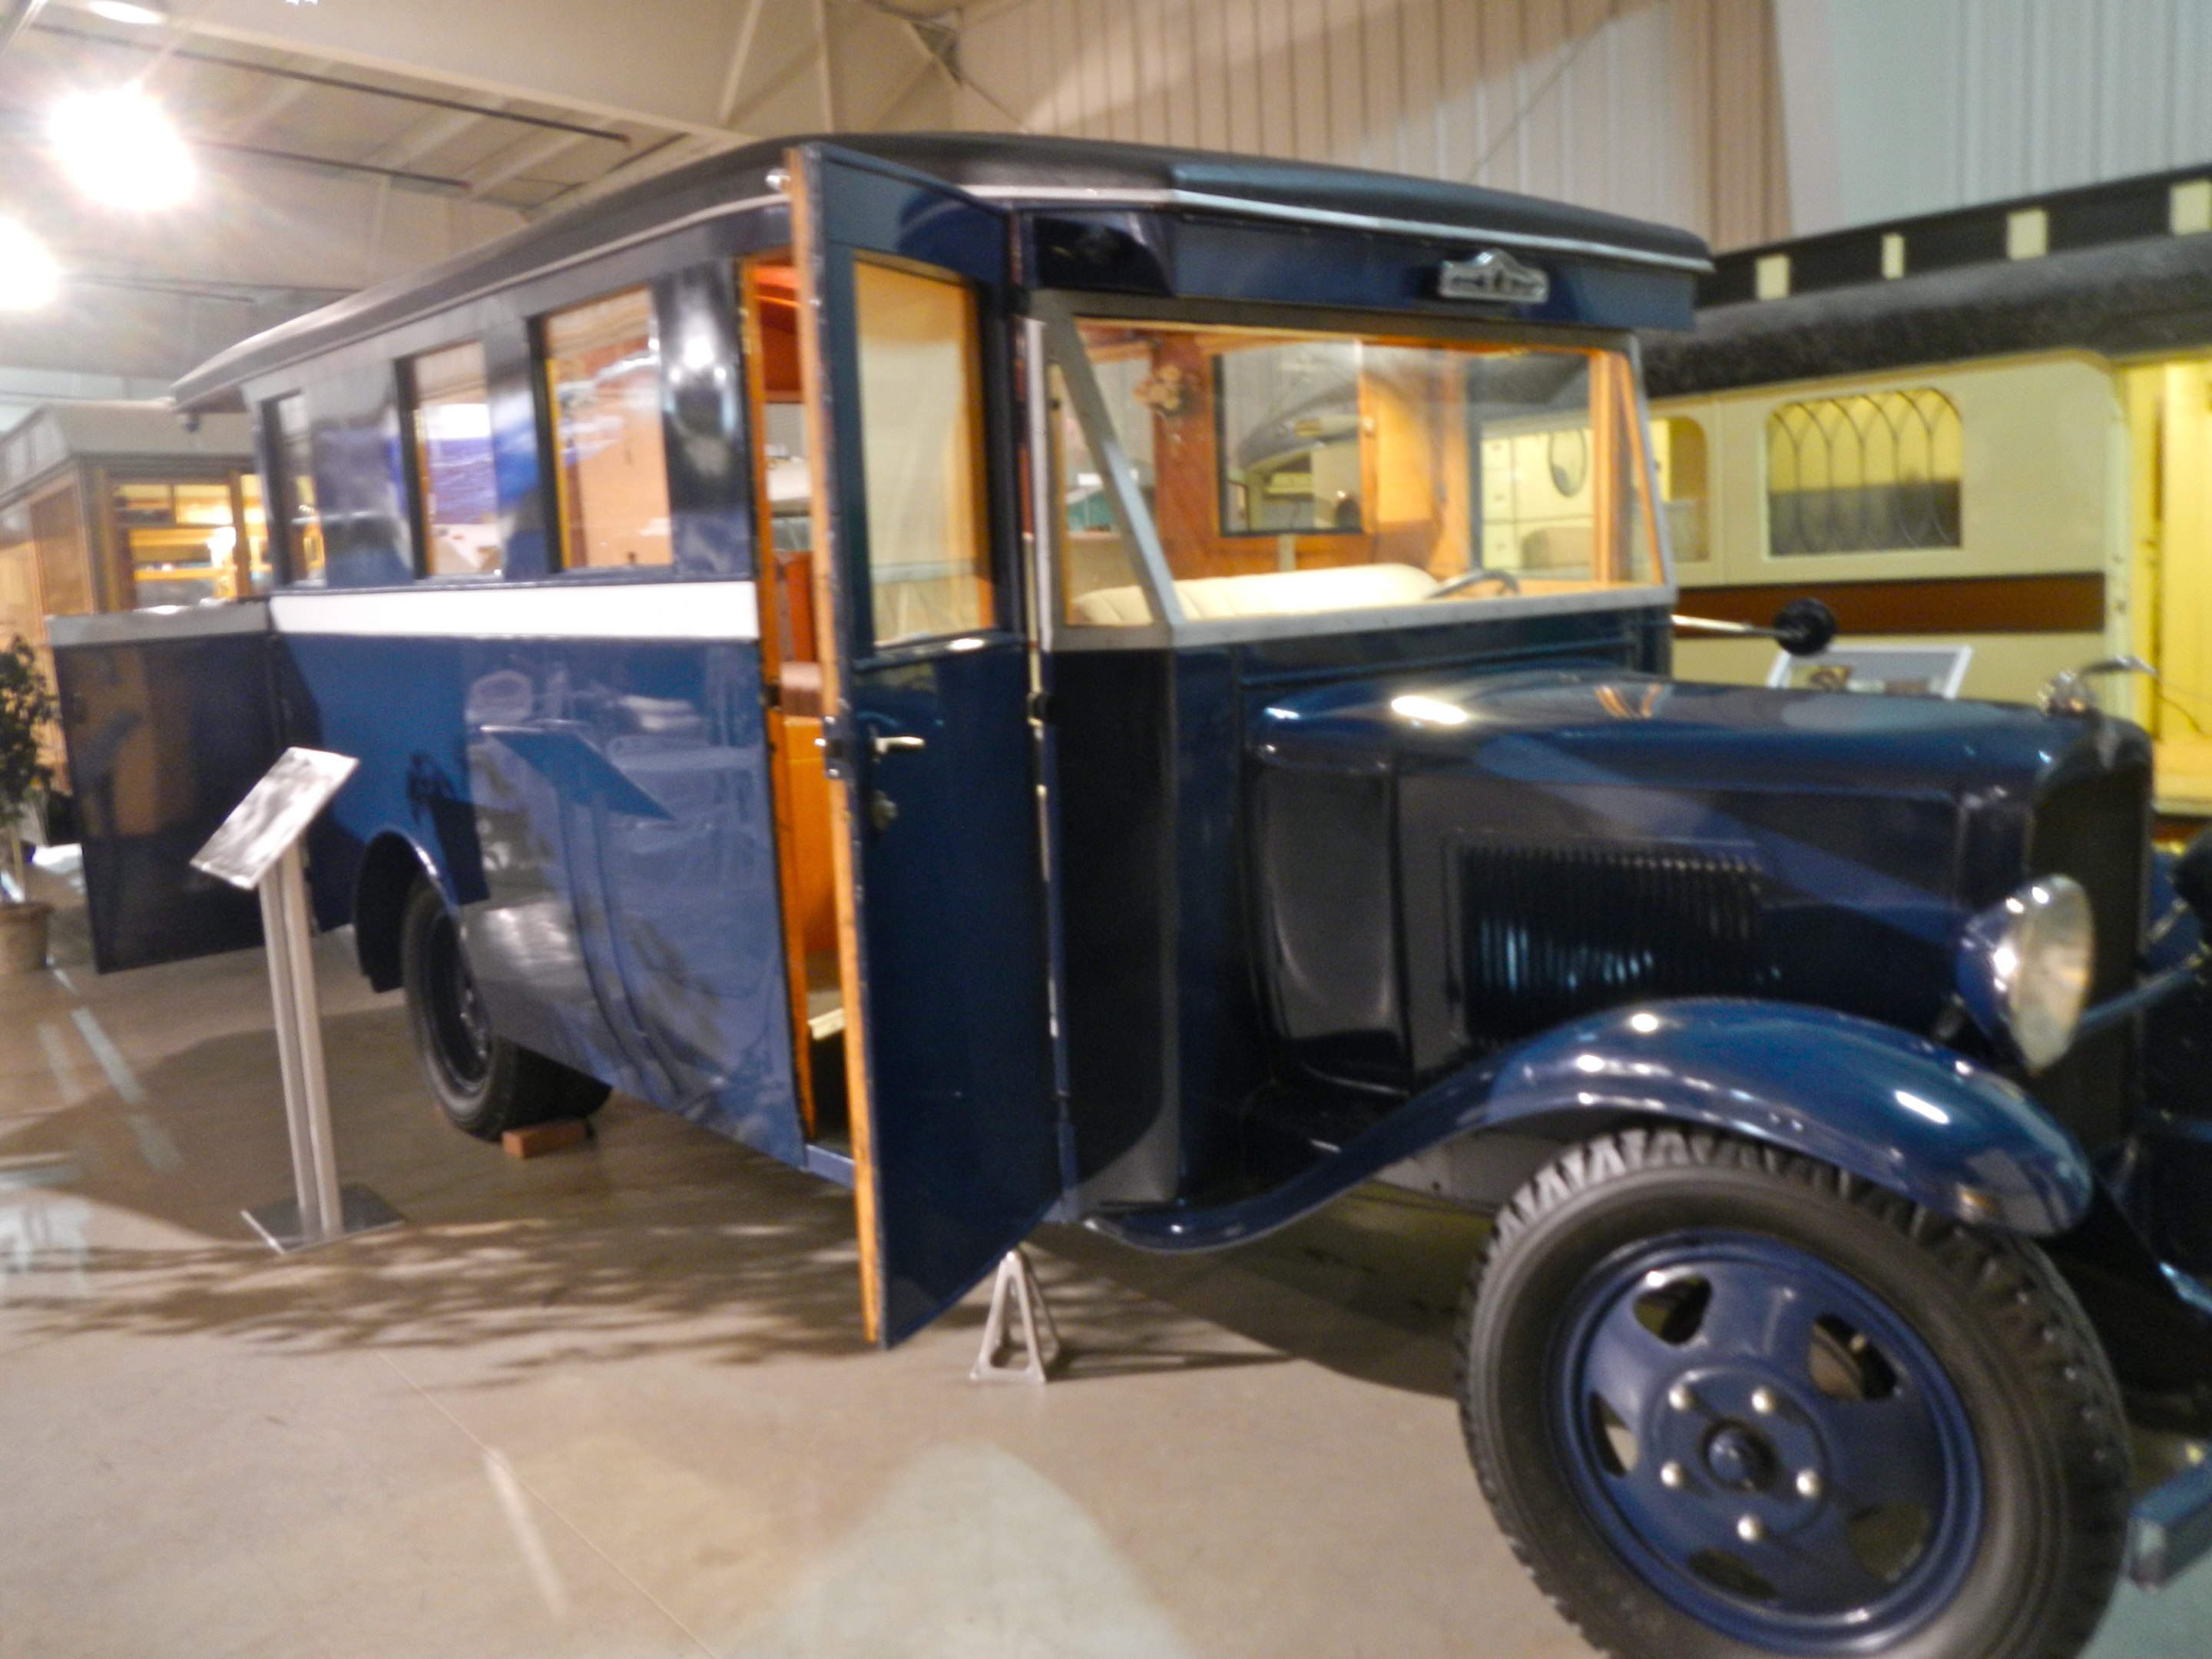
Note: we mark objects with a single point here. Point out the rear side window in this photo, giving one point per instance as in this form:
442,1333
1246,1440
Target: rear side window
291,455
603,384
453,462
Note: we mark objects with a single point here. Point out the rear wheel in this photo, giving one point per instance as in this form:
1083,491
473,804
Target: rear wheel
484,1083
1728,1402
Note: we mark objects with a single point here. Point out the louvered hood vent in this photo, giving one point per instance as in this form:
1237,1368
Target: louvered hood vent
1550,932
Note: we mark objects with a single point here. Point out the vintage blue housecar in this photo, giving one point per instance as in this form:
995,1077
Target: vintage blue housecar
1038,679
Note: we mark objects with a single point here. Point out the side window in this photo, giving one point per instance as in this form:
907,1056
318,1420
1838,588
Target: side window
1097,568
921,449
602,383
1678,445
291,453
1877,473
451,409
783,481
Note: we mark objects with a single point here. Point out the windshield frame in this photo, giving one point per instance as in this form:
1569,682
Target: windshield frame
1052,342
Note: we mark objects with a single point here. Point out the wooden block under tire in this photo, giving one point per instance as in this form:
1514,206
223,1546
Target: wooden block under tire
540,1139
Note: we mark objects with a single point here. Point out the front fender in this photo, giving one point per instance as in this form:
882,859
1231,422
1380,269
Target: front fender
1902,1112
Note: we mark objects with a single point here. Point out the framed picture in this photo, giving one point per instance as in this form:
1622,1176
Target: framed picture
1894,671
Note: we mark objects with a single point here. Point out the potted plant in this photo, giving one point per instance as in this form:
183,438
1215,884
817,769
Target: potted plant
26,707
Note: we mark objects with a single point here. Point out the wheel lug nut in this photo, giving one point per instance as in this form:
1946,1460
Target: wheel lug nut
1808,1483
1750,1528
1671,1476
1679,1397
1762,1401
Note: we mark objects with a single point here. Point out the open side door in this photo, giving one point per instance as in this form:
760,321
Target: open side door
904,351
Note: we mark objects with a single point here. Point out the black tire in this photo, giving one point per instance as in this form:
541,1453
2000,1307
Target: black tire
2032,1573
484,1083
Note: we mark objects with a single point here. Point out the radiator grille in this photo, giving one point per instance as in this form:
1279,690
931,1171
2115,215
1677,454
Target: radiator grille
1552,932
2095,829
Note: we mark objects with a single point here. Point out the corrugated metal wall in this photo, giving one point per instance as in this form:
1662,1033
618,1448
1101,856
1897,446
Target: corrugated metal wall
1664,109
1938,104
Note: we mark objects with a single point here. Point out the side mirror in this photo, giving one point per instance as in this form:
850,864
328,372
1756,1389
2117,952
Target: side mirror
2192,878
1804,628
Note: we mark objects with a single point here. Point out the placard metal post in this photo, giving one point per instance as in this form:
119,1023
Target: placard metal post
259,846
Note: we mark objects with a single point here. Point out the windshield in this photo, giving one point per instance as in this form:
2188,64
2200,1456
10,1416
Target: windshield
1297,473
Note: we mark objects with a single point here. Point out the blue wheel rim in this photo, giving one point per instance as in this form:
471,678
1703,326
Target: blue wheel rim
1765,1443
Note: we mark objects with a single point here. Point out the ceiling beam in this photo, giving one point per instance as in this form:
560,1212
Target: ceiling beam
829,89
425,135
741,56
255,117
430,181
16,17
313,78
660,62
519,160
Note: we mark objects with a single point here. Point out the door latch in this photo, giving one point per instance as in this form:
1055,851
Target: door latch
883,811
835,743
881,745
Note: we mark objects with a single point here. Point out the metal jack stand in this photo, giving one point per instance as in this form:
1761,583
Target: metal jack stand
258,847
1017,1283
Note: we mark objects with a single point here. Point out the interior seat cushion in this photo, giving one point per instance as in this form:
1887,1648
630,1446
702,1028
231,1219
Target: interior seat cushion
1274,593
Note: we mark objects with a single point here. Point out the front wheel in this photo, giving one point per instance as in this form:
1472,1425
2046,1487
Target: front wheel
484,1083
1728,1402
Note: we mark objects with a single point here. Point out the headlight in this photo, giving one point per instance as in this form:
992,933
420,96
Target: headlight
2024,967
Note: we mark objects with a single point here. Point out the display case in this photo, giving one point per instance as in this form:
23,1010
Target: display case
108,506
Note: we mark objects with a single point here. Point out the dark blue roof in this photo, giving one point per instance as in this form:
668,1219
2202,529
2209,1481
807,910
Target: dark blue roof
1017,169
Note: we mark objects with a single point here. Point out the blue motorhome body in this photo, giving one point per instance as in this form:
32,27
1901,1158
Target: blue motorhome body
936,674
577,756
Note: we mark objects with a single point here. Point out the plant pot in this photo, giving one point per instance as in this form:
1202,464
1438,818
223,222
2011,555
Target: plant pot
23,937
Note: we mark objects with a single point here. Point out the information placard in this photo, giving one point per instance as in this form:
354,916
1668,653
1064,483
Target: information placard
273,816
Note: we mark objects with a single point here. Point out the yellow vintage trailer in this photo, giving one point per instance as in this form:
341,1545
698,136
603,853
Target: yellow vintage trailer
1990,429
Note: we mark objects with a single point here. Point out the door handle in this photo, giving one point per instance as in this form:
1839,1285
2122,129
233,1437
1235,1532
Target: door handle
879,745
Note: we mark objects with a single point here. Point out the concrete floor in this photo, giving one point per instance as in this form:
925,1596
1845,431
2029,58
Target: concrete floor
614,1403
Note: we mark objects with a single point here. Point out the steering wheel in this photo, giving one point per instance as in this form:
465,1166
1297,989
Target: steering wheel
1505,579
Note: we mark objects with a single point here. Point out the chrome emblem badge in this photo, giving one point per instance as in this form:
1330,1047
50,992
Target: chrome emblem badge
1492,275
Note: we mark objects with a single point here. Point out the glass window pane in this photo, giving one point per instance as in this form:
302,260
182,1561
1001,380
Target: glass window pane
1678,446
1290,455
294,462
929,551
1865,474
452,458
603,372
790,484
1095,559
1294,473
256,533
181,539
204,503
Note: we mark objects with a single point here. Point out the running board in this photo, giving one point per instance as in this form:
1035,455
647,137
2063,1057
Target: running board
2171,1528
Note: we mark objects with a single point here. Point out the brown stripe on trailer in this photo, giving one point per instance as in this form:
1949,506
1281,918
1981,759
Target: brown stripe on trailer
1967,605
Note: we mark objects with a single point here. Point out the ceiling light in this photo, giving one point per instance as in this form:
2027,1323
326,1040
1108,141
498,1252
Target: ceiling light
129,11
120,148
29,275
